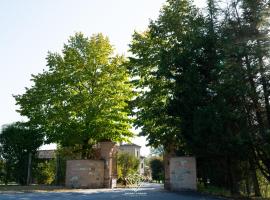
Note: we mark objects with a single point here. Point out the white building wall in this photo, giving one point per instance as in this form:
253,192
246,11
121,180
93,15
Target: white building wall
134,150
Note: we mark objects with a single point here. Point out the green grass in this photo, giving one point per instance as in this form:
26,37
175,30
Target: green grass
222,192
19,188
216,191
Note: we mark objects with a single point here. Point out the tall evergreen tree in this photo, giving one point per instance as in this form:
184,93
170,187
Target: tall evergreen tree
211,69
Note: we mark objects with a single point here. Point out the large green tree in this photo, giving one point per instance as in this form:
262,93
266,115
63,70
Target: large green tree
204,83
157,55
83,97
247,54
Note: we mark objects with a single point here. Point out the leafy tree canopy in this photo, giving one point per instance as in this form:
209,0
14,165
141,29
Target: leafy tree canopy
203,78
17,141
164,57
83,96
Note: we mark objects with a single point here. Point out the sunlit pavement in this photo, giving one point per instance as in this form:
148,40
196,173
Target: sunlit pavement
146,191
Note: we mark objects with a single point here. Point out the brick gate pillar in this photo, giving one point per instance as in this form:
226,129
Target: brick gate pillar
169,152
107,151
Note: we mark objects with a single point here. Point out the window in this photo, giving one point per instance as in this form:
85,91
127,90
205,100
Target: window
142,165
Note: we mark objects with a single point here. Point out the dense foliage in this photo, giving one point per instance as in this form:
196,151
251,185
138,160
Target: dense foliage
45,172
157,169
203,83
127,168
203,78
83,96
18,142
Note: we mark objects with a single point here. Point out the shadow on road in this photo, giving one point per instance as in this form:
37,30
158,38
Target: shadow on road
147,191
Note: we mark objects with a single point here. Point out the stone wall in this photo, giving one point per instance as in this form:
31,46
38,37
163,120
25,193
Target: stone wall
85,174
183,174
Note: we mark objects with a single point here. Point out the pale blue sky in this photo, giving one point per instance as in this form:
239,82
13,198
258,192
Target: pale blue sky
31,28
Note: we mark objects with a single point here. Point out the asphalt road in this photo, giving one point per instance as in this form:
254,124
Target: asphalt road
146,192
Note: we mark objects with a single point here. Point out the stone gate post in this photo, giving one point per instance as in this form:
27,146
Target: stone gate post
169,153
107,151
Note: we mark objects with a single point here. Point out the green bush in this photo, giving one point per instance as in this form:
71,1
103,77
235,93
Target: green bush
45,172
127,168
157,168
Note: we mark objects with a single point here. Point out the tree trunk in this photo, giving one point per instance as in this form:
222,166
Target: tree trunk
234,184
7,175
29,169
255,179
57,173
247,186
85,149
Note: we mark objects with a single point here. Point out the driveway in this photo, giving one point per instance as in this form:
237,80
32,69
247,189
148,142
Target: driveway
145,192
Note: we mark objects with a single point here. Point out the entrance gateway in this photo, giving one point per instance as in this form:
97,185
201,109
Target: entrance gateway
99,173
180,172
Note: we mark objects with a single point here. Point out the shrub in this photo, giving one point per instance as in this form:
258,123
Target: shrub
45,172
127,168
157,169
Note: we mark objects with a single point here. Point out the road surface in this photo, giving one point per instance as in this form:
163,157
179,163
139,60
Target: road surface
145,192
